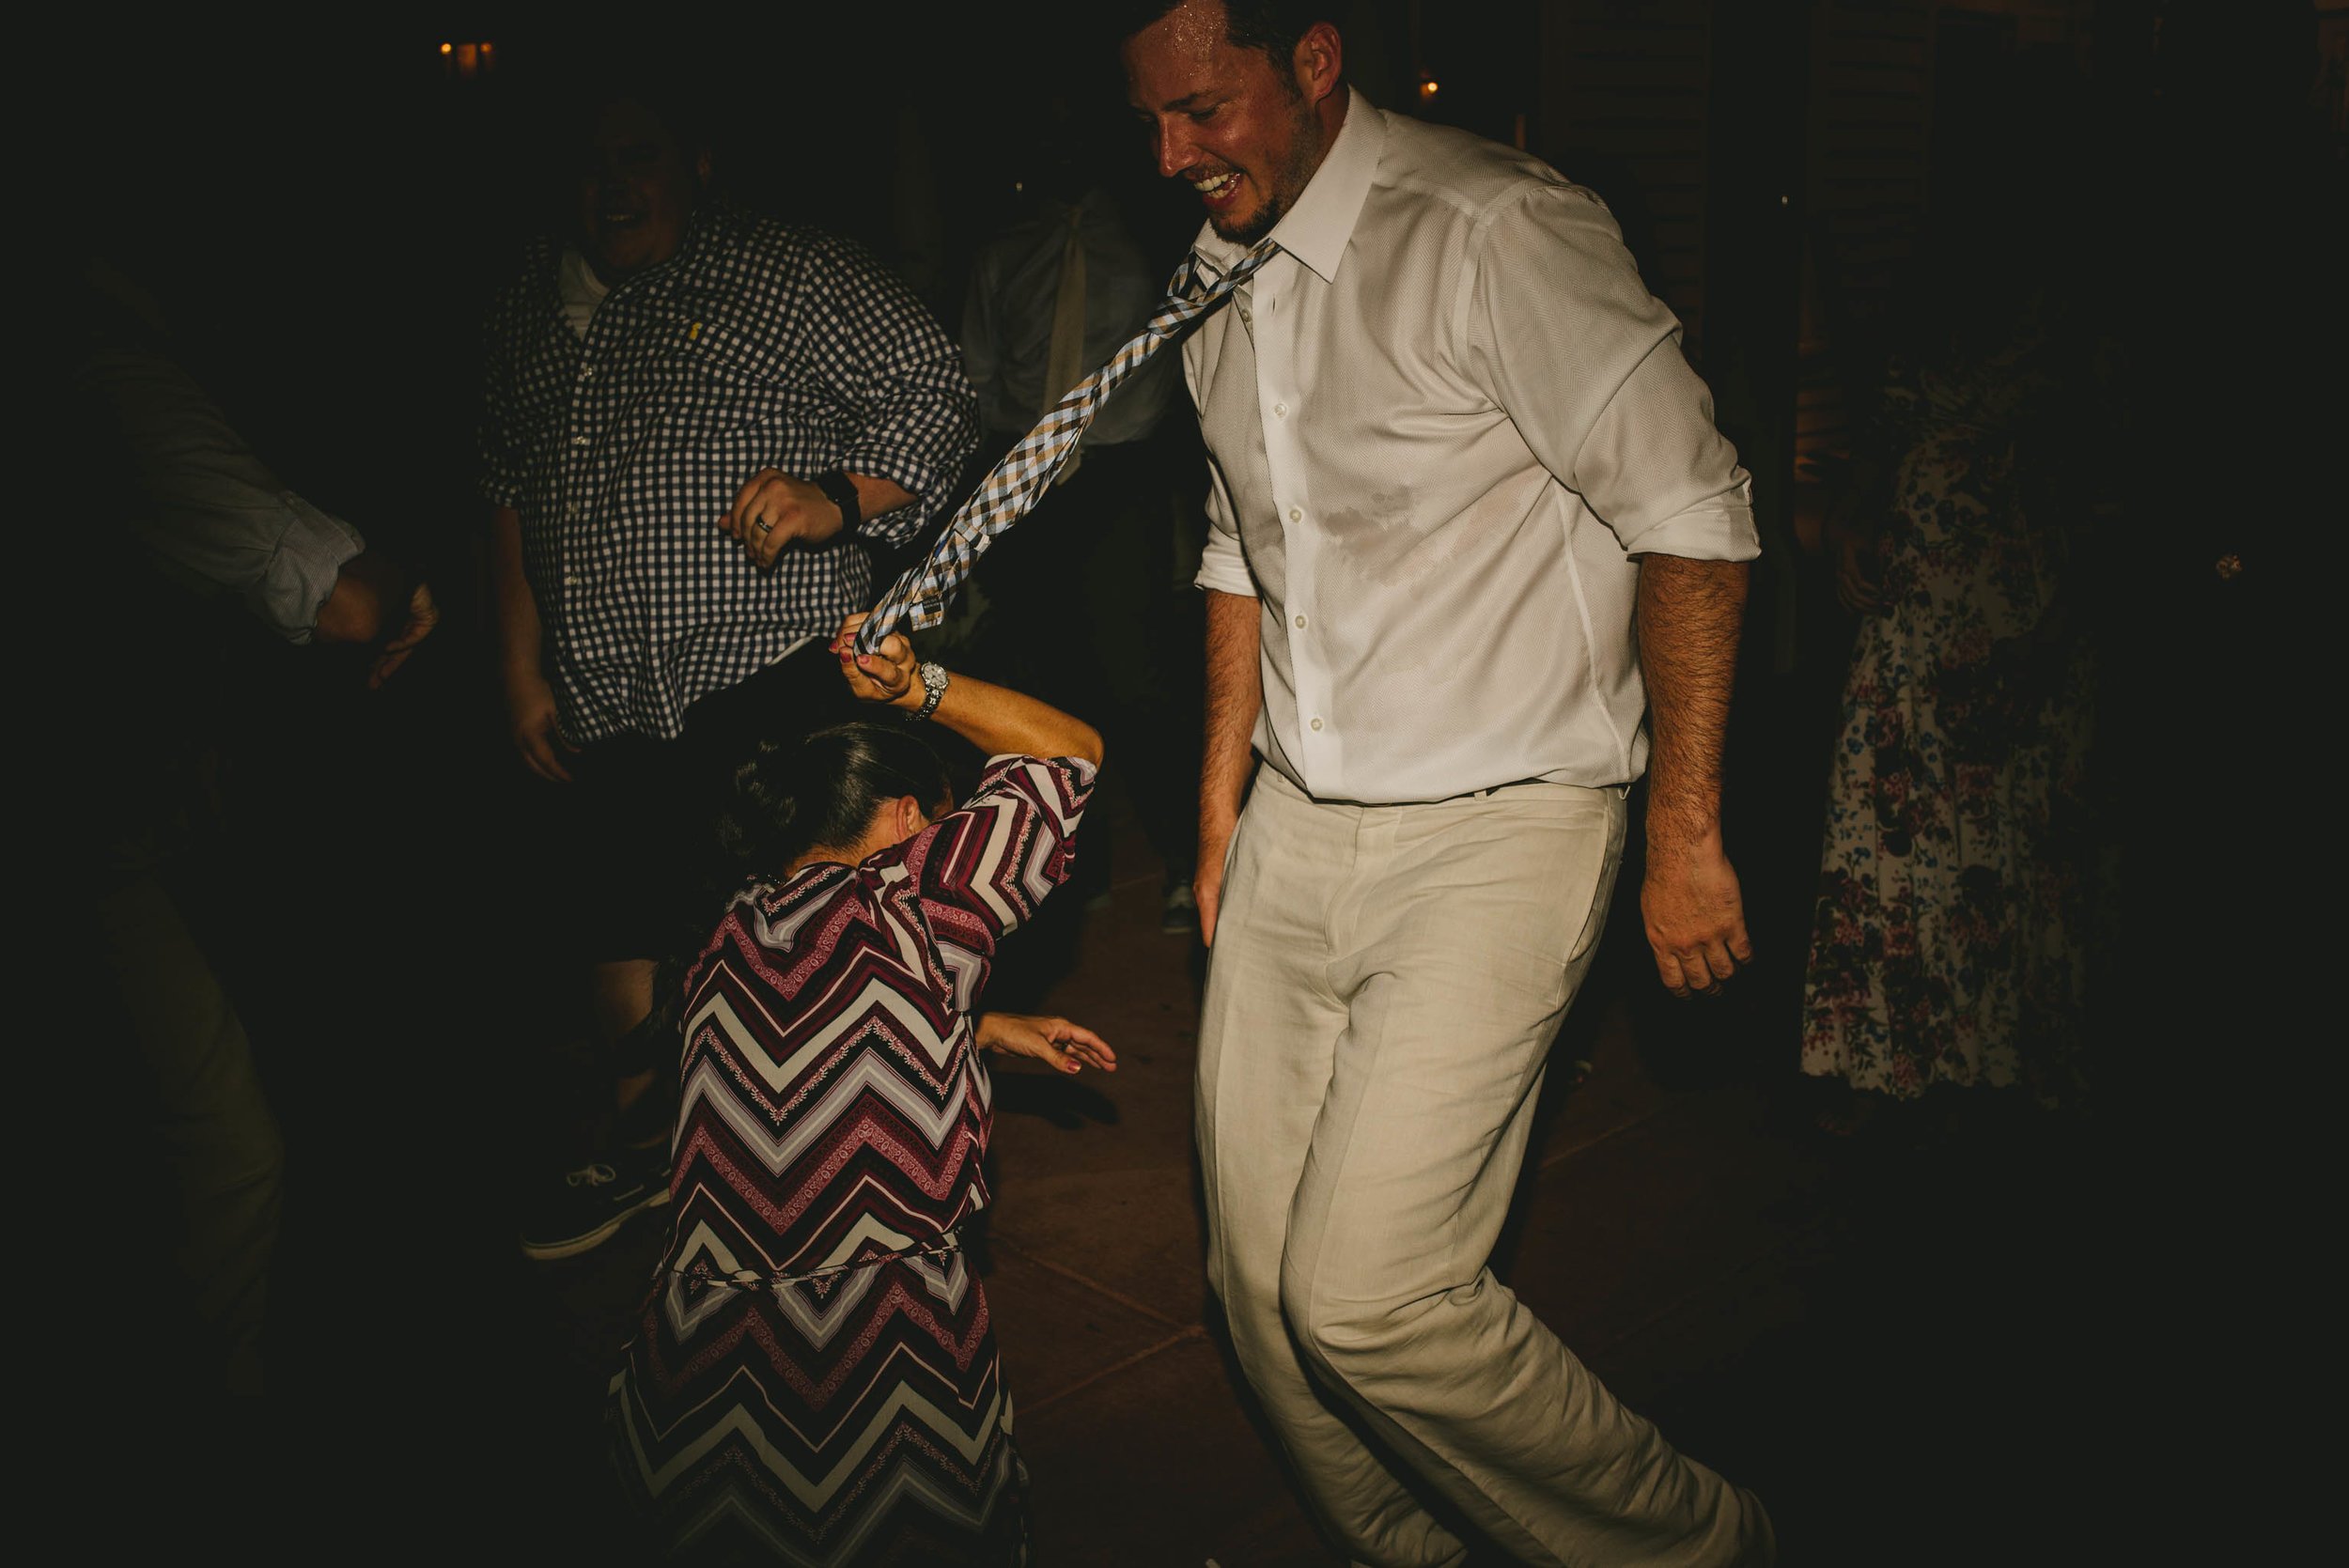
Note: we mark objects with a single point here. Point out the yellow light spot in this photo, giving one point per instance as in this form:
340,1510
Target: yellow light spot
448,49
693,332
1427,87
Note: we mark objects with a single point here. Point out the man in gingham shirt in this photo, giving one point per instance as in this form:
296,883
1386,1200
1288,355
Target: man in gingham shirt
697,424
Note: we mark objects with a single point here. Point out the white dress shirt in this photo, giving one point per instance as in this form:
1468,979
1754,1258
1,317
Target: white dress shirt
1442,424
197,498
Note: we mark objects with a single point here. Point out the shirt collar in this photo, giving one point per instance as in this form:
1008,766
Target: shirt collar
1317,228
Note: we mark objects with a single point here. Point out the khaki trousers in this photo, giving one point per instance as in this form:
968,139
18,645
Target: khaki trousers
1382,997
216,1132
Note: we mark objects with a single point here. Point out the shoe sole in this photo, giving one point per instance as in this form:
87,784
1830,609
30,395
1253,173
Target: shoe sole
545,1252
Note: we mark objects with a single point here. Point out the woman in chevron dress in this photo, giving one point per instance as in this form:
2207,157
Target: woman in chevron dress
814,1376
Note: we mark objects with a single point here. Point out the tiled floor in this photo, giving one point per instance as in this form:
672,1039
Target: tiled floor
1894,1348
1696,1244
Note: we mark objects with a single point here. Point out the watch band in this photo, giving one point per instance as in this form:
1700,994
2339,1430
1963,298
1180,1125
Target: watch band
841,490
934,683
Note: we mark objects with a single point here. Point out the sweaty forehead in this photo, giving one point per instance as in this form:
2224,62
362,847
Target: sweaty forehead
1183,55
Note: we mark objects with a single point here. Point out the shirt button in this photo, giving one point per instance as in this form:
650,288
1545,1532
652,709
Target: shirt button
586,372
1281,411
570,581
1297,513
1244,314
578,440
1300,623
1316,724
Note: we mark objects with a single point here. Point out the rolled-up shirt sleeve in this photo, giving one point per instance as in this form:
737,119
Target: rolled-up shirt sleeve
211,509
500,438
886,358
1563,334
1223,565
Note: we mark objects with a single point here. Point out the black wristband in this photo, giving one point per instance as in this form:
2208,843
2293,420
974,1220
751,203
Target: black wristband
842,490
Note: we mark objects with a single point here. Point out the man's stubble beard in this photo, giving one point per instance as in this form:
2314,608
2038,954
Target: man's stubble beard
1306,150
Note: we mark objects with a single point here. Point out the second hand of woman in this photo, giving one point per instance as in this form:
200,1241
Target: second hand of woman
1054,1041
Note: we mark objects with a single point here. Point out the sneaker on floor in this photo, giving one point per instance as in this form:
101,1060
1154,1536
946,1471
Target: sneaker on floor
580,1209
1179,911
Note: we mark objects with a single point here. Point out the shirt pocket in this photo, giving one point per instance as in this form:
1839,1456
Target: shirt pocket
719,382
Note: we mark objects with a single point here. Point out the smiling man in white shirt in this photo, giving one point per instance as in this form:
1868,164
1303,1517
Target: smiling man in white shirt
1471,524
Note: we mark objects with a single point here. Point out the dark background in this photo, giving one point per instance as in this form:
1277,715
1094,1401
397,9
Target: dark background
328,209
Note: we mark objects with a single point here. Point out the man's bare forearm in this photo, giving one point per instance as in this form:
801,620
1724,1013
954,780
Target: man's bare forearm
1234,693
1690,616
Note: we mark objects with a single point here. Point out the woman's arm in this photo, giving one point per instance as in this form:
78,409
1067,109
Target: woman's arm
995,719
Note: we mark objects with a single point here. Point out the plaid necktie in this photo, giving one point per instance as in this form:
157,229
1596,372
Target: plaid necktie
919,597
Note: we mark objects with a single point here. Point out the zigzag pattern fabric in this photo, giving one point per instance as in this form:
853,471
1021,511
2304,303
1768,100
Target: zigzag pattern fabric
813,1377
921,595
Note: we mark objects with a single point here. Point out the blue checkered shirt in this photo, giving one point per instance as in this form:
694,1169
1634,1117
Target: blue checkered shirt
760,346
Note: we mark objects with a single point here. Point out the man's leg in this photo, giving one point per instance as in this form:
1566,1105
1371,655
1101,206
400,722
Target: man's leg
613,825
1460,943
623,996
1267,1032
217,1131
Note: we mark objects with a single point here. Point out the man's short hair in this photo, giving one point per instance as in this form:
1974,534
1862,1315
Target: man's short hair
1272,27
663,87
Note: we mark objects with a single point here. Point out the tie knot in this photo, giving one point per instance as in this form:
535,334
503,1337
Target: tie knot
1188,277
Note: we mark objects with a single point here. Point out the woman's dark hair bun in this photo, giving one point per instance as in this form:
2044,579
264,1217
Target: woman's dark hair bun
822,792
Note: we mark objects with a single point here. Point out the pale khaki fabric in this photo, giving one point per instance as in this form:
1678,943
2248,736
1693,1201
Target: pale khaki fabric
1382,997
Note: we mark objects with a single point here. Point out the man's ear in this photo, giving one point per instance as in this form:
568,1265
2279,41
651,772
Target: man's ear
1319,62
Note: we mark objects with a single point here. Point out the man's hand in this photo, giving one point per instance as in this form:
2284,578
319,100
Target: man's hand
891,675
529,706
1206,883
1056,1042
423,615
1695,917
359,608
775,509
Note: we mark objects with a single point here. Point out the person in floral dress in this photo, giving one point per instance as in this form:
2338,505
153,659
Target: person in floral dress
1949,943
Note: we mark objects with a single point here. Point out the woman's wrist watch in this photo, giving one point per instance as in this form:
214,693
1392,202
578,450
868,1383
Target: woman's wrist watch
934,687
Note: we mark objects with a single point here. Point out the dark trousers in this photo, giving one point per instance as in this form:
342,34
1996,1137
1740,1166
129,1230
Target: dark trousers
636,829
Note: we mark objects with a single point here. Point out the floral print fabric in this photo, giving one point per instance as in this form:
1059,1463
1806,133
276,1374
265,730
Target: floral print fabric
1948,942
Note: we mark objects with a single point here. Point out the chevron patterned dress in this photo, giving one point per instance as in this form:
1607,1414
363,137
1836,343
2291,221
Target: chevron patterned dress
814,1376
